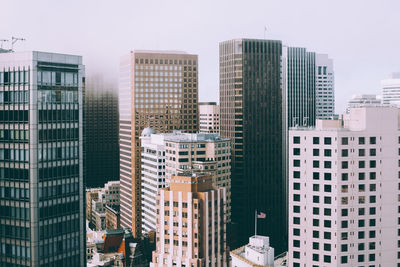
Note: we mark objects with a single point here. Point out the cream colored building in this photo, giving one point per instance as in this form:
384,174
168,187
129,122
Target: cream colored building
209,117
191,223
257,253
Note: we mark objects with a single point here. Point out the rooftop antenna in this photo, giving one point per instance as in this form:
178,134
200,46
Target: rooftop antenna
3,41
14,40
265,31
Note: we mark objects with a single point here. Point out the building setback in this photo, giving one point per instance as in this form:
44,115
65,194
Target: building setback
157,89
41,155
344,190
191,223
251,115
209,117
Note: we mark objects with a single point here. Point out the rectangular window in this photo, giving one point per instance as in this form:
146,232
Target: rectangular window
316,140
372,140
315,152
345,152
361,152
315,163
327,152
296,174
361,140
296,163
345,140
296,151
315,175
345,164
327,140
296,139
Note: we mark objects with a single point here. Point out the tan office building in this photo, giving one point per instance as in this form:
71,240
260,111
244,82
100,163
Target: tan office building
191,223
157,89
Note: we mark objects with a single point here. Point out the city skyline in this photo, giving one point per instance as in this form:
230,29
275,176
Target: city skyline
353,41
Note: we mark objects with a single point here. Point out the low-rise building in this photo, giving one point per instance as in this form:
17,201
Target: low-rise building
113,217
209,117
99,198
256,253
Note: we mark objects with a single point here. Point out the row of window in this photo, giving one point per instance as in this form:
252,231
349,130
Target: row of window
14,97
15,212
16,251
58,190
345,140
14,115
58,172
57,96
59,210
344,152
59,228
15,232
13,154
57,134
14,77
58,153
58,115
57,78
167,61
14,135
344,164
14,193
14,174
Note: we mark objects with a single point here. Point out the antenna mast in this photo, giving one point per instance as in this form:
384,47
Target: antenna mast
14,40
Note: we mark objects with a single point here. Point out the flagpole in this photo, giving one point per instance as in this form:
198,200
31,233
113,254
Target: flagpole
255,224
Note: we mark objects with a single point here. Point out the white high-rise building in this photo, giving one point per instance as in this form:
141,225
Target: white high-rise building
344,190
209,117
167,154
391,89
153,175
324,87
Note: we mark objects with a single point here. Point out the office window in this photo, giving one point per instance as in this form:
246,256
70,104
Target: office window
361,140
296,186
296,220
315,257
296,151
327,235
361,164
372,152
296,197
327,164
296,139
345,176
345,152
316,211
372,211
345,140
361,223
315,152
327,140
315,245
316,187
327,176
345,212
327,247
315,163
361,246
315,140
296,254
372,140
343,259
327,200
327,223
345,224
372,222
296,231
327,188
296,174
372,163
344,247
316,234
360,258
296,163
327,258
345,164
361,235
315,199
315,222
361,176
372,175
316,175
327,152
327,212
361,152
296,243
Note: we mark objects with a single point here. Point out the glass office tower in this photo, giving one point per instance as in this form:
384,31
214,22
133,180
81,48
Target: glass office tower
41,184
253,117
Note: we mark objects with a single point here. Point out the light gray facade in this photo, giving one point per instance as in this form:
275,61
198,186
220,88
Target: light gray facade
41,156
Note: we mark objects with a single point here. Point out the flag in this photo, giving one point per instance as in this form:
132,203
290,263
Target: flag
262,215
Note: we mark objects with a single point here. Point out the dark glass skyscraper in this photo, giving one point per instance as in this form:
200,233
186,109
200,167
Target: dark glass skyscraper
251,114
301,94
101,126
41,173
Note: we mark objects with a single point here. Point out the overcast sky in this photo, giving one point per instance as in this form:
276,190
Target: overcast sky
362,36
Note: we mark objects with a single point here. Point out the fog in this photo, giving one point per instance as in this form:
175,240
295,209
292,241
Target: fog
362,36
